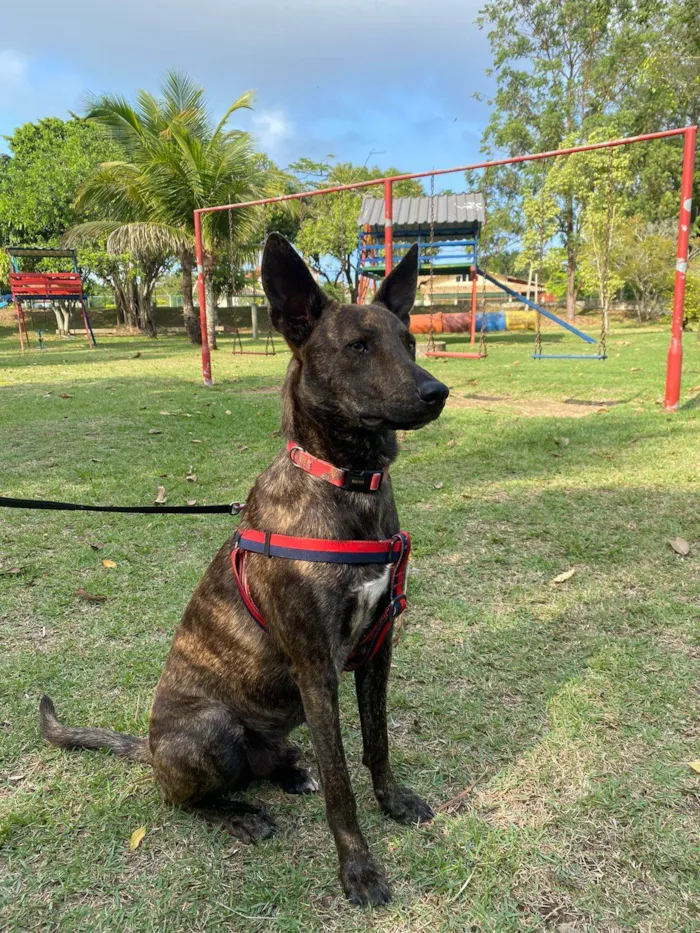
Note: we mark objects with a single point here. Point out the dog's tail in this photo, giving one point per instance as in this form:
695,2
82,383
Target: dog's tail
128,746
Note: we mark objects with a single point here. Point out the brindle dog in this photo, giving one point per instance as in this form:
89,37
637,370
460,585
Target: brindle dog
230,692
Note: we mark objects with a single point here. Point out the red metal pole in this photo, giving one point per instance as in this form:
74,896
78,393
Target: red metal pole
206,355
388,226
21,323
86,324
675,351
472,323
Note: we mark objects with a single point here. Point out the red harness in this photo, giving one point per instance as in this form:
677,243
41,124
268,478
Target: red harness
394,551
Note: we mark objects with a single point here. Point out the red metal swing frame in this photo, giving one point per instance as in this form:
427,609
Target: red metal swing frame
675,352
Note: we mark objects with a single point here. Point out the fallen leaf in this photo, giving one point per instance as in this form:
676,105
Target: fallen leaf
90,597
602,411
161,498
563,577
136,838
109,564
196,442
12,570
154,431
192,502
680,546
227,412
191,477
563,441
516,363
96,460
65,395
636,369
243,447
163,412
695,765
136,356
97,546
275,433
438,485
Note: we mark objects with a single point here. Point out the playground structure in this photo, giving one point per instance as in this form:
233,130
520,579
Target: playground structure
675,352
446,229
26,287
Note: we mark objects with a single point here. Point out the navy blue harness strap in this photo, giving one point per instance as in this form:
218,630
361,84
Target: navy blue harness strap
394,551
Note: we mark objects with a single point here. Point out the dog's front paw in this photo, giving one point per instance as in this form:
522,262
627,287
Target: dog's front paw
404,806
364,882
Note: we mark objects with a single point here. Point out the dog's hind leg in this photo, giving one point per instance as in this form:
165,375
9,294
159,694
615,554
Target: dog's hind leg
277,762
199,760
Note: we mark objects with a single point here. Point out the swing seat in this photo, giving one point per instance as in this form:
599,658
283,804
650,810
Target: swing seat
569,356
453,355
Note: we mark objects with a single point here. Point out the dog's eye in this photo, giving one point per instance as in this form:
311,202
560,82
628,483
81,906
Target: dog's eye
412,347
359,346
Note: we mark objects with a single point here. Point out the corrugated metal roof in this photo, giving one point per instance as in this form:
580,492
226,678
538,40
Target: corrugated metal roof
451,212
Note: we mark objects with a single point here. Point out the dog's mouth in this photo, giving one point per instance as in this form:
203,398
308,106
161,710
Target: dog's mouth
377,422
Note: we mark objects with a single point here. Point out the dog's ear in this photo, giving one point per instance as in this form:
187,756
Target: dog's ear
398,290
296,301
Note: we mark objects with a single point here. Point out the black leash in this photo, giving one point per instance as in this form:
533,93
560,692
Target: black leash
233,508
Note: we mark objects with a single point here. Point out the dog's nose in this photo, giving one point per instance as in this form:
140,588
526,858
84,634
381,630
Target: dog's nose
433,392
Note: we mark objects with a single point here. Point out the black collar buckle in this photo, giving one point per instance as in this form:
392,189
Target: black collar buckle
362,480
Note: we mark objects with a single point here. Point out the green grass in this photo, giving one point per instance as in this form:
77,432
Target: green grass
571,708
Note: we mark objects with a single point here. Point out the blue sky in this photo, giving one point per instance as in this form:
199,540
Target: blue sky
390,80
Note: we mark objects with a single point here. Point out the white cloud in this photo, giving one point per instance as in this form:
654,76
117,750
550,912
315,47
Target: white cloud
271,125
272,128
14,68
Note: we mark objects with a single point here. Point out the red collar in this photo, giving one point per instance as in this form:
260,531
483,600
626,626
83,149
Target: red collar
354,480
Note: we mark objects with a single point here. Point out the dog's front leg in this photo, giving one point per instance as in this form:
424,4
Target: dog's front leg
362,879
400,803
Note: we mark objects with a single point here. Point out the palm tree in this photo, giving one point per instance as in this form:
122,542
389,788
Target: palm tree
176,159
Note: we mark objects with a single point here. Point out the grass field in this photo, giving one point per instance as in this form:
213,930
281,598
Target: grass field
570,709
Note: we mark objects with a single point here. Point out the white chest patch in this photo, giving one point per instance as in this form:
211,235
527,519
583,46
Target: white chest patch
368,595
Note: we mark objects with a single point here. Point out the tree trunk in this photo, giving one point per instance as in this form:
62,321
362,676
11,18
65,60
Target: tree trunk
144,306
119,307
59,319
570,262
145,318
210,298
64,312
191,318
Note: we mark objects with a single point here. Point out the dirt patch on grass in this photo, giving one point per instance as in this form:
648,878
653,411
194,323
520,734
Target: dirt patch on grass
532,407
263,390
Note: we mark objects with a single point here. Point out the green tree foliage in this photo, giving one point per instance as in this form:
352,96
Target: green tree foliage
328,224
573,72
176,159
46,164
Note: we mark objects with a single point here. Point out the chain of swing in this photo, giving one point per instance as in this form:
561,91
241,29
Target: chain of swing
431,275
604,323
270,349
